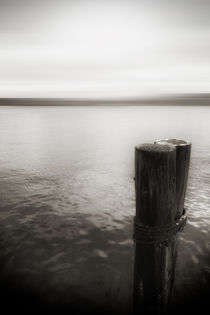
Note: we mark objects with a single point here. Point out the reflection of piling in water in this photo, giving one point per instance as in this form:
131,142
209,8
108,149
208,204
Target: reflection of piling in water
161,171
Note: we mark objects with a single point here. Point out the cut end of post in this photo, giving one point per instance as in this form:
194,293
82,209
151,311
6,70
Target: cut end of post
174,142
162,147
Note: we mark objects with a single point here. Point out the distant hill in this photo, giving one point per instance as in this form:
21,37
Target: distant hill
201,99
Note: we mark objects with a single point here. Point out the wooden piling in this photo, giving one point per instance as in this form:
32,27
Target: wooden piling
183,150
155,184
156,225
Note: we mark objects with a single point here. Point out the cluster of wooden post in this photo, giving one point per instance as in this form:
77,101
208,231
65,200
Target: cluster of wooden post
161,172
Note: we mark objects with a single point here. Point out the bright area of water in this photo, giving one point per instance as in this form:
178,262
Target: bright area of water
67,202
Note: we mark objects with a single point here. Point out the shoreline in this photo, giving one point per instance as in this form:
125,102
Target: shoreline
202,99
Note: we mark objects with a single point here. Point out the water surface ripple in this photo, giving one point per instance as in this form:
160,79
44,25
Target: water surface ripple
67,202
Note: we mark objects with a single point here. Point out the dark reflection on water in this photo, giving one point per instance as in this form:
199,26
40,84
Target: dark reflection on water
67,205
191,291
61,262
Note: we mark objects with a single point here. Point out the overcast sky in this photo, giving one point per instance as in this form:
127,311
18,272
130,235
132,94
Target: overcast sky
103,48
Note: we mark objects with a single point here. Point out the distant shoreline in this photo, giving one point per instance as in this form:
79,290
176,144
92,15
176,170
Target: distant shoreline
202,99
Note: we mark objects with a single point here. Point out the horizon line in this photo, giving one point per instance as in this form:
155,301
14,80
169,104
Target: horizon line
161,99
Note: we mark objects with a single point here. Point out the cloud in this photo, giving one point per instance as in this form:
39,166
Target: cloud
91,45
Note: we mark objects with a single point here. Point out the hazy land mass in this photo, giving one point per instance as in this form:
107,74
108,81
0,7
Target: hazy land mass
200,99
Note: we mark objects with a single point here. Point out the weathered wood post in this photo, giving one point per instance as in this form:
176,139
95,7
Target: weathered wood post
183,150
157,223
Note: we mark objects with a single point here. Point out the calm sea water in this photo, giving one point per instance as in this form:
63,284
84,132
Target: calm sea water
67,202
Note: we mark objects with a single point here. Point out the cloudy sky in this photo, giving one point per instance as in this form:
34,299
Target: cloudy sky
103,48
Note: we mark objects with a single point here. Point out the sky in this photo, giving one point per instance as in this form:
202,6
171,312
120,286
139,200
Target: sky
104,48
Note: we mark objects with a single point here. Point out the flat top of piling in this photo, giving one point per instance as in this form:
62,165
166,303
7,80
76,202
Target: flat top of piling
150,147
175,142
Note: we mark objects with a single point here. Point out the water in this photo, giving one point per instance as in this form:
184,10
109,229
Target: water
67,203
